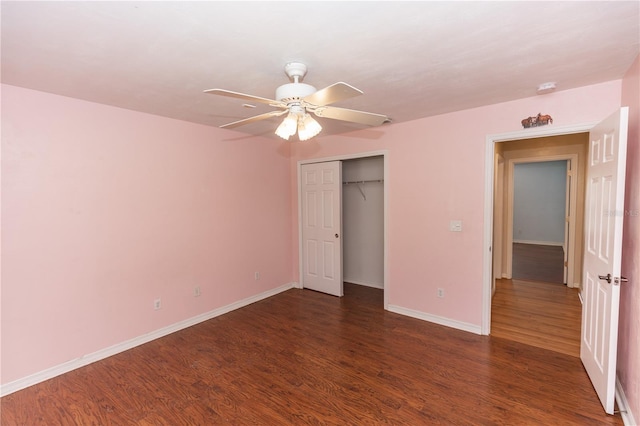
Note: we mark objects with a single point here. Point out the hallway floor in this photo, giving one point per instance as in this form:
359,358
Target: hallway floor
538,263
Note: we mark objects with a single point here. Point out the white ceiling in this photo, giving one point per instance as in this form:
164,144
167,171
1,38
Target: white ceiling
411,59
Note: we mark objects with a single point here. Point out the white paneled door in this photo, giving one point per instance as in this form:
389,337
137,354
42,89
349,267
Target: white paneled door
602,258
321,192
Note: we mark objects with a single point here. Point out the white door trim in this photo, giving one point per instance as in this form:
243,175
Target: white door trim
490,142
385,155
511,162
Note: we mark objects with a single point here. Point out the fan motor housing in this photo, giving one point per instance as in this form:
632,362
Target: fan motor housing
294,91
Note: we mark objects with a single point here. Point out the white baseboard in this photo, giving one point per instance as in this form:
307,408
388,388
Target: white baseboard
539,243
625,412
472,328
84,360
347,280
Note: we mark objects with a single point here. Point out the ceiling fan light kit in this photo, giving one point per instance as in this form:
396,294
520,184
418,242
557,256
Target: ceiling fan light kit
288,126
308,128
298,99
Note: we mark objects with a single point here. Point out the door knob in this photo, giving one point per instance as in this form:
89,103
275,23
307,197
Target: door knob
607,278
337,235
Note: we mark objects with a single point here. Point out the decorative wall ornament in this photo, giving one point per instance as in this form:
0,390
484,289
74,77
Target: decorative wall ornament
538,120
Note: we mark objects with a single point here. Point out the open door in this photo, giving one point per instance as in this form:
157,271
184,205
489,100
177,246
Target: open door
321,195
603,252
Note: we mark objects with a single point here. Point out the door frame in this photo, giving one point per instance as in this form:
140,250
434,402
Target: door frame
385,155
498,218
487,255
572,199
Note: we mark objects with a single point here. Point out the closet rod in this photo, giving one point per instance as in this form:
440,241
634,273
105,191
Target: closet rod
362,181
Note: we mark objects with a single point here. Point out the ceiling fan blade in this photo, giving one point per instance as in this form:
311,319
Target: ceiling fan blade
244,96
253,119
334,93
354,116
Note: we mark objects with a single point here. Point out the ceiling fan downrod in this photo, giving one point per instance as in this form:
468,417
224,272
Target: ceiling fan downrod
295,71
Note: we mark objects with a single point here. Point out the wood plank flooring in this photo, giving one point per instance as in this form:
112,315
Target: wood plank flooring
306,358
538,263
539,314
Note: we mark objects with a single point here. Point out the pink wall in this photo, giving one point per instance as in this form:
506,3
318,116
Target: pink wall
629,344
436,173
106,209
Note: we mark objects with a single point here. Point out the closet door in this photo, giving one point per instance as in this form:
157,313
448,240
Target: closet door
321,196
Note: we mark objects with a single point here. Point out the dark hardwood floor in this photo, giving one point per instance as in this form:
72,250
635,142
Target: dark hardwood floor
535,262
539,314
532,308
306,358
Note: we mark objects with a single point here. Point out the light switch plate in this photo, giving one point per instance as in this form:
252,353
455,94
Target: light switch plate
455,226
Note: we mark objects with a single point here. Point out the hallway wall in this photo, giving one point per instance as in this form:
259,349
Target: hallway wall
539,200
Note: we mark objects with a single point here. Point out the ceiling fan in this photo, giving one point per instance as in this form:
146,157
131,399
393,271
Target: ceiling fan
298,100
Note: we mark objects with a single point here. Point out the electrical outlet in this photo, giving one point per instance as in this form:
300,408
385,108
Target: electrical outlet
257,276
157,304
441,293
196,291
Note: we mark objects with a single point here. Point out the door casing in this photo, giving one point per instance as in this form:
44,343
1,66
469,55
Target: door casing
491,140
509,216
